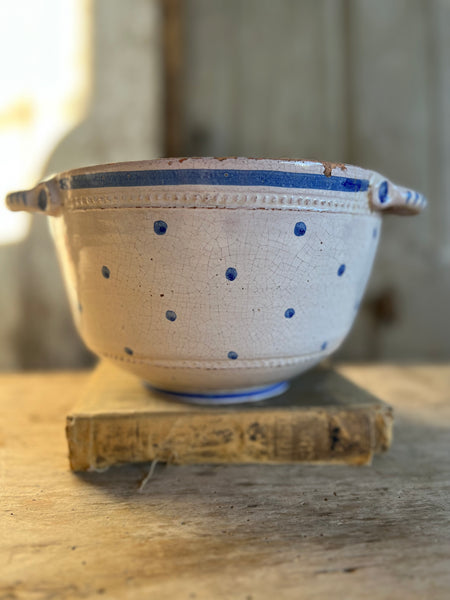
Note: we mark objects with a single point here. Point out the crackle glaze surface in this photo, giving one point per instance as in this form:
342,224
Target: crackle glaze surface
205,275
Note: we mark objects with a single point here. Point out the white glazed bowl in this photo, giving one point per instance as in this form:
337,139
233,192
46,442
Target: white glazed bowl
216,279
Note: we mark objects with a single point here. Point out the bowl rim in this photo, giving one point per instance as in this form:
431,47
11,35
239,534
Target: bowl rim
323,167
214,182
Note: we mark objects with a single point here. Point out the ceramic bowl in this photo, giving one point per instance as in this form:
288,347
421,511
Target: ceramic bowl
216,280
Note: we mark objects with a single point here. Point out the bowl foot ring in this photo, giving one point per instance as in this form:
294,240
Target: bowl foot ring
222,397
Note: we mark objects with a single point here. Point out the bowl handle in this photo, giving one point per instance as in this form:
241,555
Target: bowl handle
385,196
44,199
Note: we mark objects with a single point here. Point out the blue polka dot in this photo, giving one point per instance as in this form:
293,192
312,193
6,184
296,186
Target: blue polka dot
341,270
231,274
289,313
232,355
171,315
160,227
42,200
416,197
374,232
324,346
408,197
128,351
300,229
383,192
106,272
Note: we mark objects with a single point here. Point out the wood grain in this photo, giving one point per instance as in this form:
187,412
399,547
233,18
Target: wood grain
198,532
264,79
321,418
173,89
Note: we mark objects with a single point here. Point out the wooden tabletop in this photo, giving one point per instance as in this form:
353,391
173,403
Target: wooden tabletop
248,532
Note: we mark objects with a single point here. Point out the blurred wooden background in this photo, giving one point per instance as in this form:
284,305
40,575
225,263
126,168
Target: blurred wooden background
352,81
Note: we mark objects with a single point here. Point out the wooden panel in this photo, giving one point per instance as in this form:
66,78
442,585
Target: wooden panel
347,80
264,78
439,64
400,59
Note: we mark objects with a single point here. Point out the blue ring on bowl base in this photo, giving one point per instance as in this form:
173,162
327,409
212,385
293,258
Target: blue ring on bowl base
217,398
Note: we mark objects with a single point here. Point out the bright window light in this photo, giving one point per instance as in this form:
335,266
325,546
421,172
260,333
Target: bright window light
45,84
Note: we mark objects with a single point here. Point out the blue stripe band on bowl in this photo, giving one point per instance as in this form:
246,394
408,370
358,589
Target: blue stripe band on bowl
230,177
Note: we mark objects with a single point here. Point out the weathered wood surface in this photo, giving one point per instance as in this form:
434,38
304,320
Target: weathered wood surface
323,417
202,532
357,81
264,79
